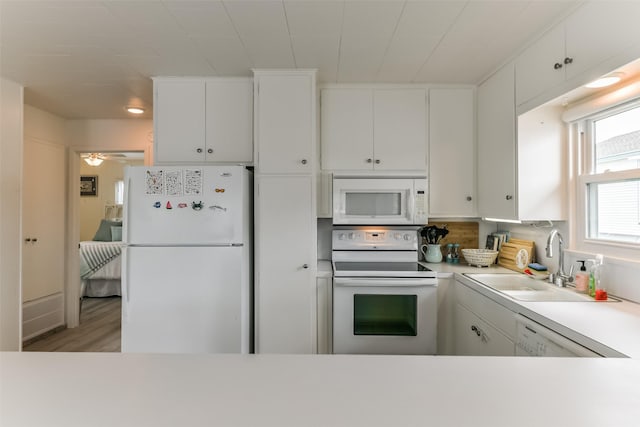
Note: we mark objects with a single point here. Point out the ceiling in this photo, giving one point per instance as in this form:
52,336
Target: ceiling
88,59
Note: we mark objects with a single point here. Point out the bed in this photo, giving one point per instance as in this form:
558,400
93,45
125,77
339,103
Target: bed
101,261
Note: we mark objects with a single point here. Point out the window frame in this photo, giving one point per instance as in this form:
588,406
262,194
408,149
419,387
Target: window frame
582,133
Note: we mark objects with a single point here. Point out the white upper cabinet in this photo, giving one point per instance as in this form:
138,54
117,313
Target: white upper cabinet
497,146
284,121
596,38
366,129
229,126
452,160
203,120
179,120
521,175
346,129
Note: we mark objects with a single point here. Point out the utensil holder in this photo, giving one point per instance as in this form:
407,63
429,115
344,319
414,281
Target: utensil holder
432,253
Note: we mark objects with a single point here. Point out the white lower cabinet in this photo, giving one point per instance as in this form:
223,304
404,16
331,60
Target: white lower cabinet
482,327
285,264
474,337
324,304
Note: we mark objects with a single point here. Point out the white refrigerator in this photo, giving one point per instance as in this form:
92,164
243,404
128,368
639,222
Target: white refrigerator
187,260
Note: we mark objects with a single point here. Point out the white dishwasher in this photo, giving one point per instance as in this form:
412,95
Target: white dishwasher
533,339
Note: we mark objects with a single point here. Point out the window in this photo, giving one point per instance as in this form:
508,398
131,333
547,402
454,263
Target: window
610,179
119,192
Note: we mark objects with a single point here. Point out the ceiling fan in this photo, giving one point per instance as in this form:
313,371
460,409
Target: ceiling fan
95,159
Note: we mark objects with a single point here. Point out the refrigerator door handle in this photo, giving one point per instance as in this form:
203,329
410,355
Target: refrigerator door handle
124,283
125,213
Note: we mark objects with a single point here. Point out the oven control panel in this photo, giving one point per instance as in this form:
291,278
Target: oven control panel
387,239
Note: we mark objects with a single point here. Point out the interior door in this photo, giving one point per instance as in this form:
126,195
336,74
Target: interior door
43,219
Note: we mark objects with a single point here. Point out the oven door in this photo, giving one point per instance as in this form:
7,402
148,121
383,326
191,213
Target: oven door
384,315
373,201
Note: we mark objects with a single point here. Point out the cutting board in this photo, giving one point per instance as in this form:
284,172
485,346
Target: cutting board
516,254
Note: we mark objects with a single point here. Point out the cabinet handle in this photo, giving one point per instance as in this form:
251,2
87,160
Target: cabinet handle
34,240
28,239
210,150
369,160
199,150
469,198
303,161
509,197
475,329
557,66
568,60
305,265
377,161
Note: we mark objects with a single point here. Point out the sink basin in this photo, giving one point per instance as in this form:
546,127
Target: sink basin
523,288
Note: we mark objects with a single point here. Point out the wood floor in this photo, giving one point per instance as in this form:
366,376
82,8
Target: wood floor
99,329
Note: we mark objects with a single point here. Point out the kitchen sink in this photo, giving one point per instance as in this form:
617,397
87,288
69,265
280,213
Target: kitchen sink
523,288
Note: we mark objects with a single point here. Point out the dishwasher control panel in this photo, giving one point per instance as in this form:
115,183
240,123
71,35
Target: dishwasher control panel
533,339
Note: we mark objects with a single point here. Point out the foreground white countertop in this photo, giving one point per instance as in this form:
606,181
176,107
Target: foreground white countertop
113,389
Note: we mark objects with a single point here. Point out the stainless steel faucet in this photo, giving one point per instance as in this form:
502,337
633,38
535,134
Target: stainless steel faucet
560,278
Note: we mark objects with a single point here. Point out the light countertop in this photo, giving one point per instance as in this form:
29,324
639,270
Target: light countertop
109,389
609,328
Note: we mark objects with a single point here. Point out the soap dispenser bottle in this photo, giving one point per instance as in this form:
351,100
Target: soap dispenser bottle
582,279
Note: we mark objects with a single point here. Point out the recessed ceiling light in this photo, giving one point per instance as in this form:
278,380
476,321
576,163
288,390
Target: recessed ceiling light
605,81
135,110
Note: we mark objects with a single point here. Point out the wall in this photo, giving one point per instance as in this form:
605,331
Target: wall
92,207
110,135
11,120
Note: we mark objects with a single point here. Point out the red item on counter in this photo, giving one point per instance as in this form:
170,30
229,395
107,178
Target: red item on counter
601,295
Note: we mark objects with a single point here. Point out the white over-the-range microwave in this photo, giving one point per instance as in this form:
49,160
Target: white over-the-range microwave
380,200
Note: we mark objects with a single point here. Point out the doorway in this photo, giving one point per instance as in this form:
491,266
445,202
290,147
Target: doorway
93,306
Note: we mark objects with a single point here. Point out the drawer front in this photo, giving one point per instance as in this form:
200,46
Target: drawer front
490,311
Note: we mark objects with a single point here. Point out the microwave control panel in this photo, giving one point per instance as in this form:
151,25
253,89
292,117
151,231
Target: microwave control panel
420,196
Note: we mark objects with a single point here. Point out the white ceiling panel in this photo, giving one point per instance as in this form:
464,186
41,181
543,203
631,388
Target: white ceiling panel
314,17
88,58
405,57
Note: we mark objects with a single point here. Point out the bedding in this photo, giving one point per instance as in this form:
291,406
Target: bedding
100,268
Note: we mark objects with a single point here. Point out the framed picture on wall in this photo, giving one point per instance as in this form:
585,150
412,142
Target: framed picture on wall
88,185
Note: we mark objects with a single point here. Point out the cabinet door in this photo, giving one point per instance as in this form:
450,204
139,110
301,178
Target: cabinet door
474,337
599,31
43,220
497,146
400,129
325,318
452,171
179,120
285,305
229,117
346,117
536,69
284,123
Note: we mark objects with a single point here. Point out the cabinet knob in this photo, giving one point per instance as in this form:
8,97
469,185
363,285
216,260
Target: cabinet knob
469,198
509,197
305,265
210,150
28,239
303,161
557,66
34,240
377,161
568,60
369,160
199,150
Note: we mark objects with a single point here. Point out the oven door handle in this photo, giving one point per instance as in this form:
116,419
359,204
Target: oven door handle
384,282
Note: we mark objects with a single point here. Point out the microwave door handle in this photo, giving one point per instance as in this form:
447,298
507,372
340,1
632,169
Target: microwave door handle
411,205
